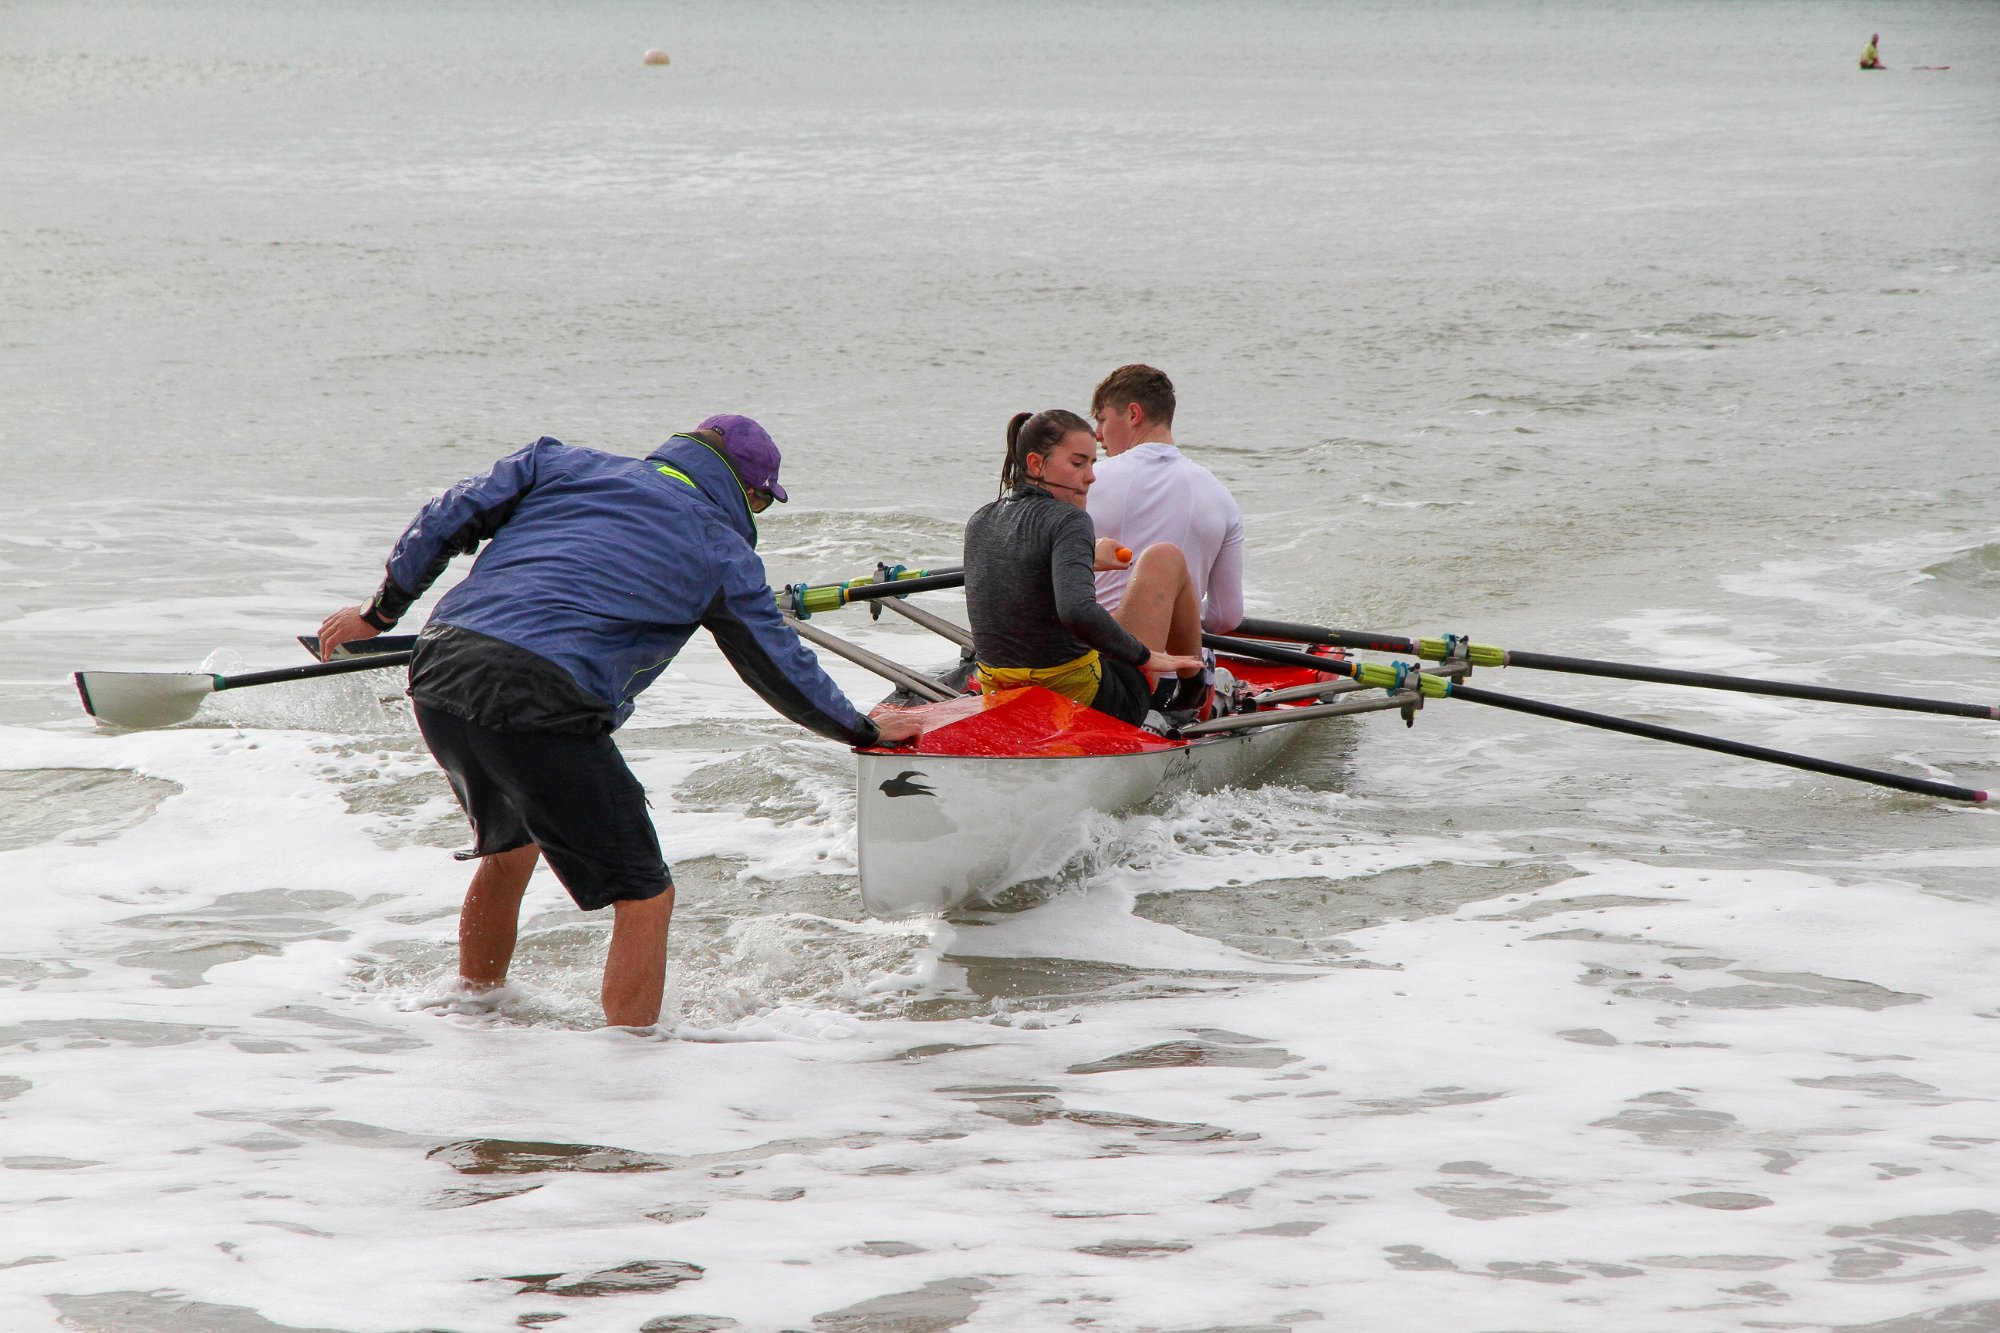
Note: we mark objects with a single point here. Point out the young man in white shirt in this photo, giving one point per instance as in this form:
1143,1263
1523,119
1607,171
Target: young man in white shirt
1146,492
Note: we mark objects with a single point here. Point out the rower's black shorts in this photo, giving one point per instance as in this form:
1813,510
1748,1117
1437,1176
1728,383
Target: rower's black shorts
1122,691
571,796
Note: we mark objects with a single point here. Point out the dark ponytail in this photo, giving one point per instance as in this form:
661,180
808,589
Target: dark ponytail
1035,433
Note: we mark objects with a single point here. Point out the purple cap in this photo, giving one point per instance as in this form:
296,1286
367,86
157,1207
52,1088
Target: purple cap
749,450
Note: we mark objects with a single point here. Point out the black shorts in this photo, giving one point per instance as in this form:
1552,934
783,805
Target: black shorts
1122,691
571,796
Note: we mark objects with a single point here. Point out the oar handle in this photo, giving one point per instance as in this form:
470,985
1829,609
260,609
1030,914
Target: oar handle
337,667
1607,722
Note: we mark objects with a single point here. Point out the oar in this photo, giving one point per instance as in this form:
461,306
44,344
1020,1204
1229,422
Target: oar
935,624
1377,675
1436,688
1333,638
1486,655
139,699
893,672
1278,717
804,599
381,643
1458,690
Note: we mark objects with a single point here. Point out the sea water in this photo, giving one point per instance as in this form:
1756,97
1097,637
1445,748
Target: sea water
1643,331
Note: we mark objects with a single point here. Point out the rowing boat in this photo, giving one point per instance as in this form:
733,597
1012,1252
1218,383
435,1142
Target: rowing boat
995,790
992,792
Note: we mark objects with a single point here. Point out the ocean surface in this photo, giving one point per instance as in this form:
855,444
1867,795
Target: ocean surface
1645,331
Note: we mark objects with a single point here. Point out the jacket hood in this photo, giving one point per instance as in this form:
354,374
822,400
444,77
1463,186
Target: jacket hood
713,477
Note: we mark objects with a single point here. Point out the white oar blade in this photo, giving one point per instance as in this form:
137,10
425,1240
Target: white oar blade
140,699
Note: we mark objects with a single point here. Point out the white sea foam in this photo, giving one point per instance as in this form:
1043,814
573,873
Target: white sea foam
1650,1088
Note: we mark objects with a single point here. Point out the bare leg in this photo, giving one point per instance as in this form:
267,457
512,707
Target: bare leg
1159,608
491,916
635,974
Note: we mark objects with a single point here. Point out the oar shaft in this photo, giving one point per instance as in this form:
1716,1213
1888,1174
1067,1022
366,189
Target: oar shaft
1782,689
1715,743
1322,691
867,592
381,643
1486,655
1375,675
805,599
1265,652
1363,640
892,672
1278,717
340,666
935,624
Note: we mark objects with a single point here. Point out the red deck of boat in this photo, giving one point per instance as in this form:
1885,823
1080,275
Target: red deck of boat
1034,723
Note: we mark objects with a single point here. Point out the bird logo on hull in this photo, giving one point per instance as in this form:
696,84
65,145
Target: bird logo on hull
900,785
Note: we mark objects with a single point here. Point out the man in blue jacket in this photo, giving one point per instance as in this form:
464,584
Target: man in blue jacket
596,571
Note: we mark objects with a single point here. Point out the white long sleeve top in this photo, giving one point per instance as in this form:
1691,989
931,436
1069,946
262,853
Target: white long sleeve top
1151,493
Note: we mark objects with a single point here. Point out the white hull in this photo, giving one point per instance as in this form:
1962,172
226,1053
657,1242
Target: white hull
935,832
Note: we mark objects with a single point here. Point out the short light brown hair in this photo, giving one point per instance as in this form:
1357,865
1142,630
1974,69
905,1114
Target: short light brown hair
1149,388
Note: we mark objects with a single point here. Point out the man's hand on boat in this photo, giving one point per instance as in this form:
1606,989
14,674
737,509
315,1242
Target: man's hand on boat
343,626
897,727
1166,664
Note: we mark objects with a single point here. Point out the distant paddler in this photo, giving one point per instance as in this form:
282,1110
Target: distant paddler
597,570
1870,57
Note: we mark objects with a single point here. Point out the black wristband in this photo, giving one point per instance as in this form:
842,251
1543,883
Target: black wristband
374,620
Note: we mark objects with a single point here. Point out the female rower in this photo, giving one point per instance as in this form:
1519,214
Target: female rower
1029,558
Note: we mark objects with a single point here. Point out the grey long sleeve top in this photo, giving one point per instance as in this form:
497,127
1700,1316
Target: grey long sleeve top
1029,588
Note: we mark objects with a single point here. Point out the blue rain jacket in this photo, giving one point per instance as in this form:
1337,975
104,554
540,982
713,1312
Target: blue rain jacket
605,565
